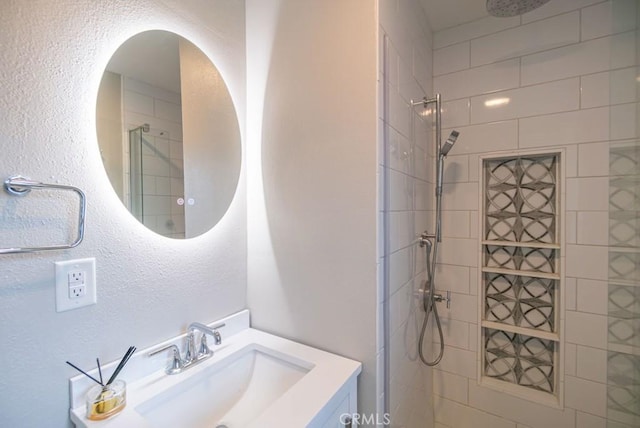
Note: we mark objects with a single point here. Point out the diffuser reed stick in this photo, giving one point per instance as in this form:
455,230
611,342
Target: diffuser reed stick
99,370
99,382
121,365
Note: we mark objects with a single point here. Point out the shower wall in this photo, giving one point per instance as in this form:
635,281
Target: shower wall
566,77
163,172
406,189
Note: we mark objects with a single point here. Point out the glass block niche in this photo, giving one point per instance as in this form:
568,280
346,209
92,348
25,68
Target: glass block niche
520,273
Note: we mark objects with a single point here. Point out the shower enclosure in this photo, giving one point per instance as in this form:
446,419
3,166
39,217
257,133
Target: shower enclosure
156,182
541,115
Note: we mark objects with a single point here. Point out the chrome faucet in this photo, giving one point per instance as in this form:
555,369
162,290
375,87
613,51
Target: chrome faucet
203,349
191,356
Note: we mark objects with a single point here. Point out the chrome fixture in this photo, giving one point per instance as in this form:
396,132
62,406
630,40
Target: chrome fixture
430,241
191,356
507,8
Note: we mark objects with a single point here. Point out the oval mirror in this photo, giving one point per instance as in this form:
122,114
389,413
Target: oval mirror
168,134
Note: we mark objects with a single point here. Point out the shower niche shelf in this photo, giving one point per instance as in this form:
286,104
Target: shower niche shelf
521,275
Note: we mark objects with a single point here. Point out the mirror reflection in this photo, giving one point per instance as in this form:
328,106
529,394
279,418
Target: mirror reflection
168,134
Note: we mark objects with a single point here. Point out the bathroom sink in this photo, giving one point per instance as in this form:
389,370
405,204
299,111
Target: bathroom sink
254,379
230,394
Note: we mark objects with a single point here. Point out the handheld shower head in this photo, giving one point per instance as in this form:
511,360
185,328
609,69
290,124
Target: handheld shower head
446,147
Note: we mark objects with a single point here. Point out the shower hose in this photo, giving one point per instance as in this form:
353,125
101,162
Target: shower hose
429,301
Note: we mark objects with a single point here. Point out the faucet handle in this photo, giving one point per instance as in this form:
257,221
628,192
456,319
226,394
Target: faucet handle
204,348
217,337
190,354
177,365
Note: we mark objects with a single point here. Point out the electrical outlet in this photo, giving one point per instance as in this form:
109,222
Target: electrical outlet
77,291
76,277
75,284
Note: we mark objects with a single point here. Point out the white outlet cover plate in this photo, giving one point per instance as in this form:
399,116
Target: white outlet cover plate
63,301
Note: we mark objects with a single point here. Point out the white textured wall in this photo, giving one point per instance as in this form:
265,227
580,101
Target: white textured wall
408,169
52,57
312,192
569,70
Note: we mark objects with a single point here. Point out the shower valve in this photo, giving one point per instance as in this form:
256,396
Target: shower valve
441,298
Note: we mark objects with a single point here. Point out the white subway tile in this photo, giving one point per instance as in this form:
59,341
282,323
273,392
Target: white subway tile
554,97
401,232
585,420
400,268
473,337
452,277
526,39
578,59
399,156
161,147
588,194
422,164
408,85
423,195
392,66
456,168
423,221
175,149
570,357
472,30
422,68
593,228
151,91
555,8
479,80
451,58
460,196
399,114
473,225
163,186
593,159
464,307
592,296
474,285
565,128
592,364
400,307
474,166
585,395
138,103
586,329
148,185
571,225
450,386
583,261
608,18
455,113
609,87
457,415
455,333
401,187
571,293
571,160
455,224
459,361
623,119
168,111
517,409
497,136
